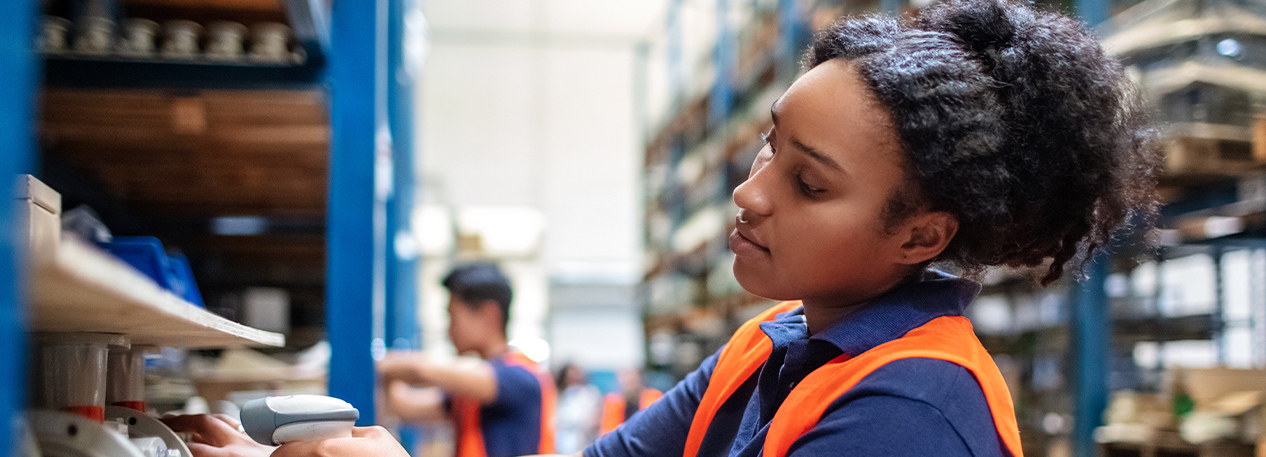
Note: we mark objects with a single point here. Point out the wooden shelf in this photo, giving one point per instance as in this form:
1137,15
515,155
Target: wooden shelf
84,289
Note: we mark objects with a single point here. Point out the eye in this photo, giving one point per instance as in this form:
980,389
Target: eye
806,189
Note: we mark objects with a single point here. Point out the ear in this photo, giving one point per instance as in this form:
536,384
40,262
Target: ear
925,236
490,312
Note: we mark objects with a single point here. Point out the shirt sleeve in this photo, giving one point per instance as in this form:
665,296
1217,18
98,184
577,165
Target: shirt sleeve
660,429
517,388
907,407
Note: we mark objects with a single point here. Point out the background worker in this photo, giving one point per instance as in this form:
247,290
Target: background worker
578,408
633,396
501,403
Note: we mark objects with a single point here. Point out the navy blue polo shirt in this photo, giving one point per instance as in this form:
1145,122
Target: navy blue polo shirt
908,407
511,424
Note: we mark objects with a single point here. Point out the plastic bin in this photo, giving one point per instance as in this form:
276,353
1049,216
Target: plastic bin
171,272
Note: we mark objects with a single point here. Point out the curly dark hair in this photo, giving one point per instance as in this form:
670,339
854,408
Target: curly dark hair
1010,118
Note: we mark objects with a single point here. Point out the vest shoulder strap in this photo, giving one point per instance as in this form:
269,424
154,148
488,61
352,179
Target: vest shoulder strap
948,338
746,351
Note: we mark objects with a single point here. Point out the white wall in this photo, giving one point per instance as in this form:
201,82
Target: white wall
531,103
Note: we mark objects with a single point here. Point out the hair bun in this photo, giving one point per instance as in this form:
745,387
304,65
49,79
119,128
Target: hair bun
984,27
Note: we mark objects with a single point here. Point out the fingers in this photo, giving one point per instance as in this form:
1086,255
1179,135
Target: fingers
203,450
205,429
232,421
365,441
373,432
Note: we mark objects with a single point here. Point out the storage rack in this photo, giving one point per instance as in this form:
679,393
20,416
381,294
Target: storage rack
350,48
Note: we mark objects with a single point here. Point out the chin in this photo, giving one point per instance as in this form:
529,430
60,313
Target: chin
761,286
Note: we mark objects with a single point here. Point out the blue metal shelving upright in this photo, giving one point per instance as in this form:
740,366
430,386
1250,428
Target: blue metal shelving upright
1089,319
370,278
18,83
402,262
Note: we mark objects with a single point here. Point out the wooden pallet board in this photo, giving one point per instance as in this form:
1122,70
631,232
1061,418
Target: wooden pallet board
196,154
84,289
1191,156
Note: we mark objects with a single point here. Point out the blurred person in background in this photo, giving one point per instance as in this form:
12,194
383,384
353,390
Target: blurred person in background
577,409
633,396
501,403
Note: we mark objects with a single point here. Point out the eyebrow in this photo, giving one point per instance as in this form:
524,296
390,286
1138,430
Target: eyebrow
811,152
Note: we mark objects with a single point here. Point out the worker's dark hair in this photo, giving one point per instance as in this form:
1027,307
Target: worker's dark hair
1012,119
478,283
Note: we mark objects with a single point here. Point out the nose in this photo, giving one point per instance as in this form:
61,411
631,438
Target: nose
752,196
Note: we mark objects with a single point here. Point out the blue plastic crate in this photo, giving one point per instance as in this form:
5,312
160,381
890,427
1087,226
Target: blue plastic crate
146,253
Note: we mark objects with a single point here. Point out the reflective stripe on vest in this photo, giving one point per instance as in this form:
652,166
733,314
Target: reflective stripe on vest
470,434
613,408
948,338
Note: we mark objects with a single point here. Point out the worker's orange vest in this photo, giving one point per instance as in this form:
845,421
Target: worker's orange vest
613,408
470,436
948,338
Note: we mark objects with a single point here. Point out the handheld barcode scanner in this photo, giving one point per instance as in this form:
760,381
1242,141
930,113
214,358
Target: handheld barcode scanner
278,420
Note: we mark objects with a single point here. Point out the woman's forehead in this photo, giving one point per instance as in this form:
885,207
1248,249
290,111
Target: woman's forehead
832,110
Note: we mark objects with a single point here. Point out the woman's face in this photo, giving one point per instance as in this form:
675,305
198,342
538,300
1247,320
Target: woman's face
814,201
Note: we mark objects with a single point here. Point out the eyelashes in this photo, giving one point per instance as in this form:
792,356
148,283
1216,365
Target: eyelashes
804,188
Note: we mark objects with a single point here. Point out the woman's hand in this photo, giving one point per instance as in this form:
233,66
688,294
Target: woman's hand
217,436
365,441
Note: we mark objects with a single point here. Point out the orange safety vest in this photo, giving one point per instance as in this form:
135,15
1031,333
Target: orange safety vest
948,338
470,436
613,408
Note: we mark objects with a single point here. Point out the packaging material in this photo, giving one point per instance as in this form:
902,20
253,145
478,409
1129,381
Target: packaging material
270,43
125,377
39,214
224,41
71,371
1207,386
1133,417
1229,403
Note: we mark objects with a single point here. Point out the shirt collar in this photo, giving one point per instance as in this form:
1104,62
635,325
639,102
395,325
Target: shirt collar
884,318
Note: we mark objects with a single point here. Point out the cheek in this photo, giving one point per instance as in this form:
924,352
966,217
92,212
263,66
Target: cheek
832,250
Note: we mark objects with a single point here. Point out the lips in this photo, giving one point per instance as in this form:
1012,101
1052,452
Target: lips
742,244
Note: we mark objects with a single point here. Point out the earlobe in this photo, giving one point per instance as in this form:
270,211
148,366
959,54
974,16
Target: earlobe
927,235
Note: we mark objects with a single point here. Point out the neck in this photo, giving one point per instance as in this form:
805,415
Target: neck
493,348
821,314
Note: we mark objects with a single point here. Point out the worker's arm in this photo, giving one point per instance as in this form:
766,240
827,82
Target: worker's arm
468,377
416,405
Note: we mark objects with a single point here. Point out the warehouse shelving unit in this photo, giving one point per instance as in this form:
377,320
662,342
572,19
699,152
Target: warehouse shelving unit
329,136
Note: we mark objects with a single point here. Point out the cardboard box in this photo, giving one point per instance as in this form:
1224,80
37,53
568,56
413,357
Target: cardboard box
1208,386
39,215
